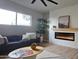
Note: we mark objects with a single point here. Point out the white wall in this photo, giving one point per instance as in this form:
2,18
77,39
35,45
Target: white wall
53,18
46,16
12,30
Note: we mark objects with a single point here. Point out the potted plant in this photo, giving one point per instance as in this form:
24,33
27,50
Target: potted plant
42,28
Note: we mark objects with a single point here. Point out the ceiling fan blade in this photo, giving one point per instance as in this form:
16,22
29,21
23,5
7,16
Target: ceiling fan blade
53,2
33,1
43,2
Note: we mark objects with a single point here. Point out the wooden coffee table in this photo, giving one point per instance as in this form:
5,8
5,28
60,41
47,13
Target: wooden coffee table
25,52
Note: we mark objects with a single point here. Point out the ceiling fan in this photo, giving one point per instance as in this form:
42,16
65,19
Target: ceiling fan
33,1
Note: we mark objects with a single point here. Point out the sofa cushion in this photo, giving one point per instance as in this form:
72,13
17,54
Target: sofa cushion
14,38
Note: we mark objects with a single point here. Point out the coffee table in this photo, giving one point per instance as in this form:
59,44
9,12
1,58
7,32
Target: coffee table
25,52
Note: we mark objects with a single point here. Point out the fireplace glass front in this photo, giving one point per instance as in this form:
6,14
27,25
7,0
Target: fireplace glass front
65,36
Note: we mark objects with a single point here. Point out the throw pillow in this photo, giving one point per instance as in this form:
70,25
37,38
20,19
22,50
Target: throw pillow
3,40
29,36
32,35
1,36
25,37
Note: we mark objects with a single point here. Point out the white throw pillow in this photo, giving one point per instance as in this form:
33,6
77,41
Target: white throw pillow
1,36
6,39
2,41
29,36
24,36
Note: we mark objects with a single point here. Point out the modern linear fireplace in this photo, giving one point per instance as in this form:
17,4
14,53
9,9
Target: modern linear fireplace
65,36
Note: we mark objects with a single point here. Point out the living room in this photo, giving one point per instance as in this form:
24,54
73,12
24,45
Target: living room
61,34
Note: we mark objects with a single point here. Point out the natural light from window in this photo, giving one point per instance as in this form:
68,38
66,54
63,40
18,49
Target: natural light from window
7,17
23,19
14,18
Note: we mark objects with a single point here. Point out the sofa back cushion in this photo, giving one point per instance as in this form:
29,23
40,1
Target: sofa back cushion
14,38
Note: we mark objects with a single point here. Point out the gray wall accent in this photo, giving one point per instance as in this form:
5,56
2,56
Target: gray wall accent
17,30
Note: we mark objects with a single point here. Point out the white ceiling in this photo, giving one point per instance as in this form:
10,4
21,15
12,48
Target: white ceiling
38,6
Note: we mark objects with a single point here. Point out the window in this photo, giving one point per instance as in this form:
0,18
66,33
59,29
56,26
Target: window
23,19
7,17
14,18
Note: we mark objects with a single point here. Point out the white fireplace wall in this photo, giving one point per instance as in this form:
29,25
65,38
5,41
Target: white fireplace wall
53,18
